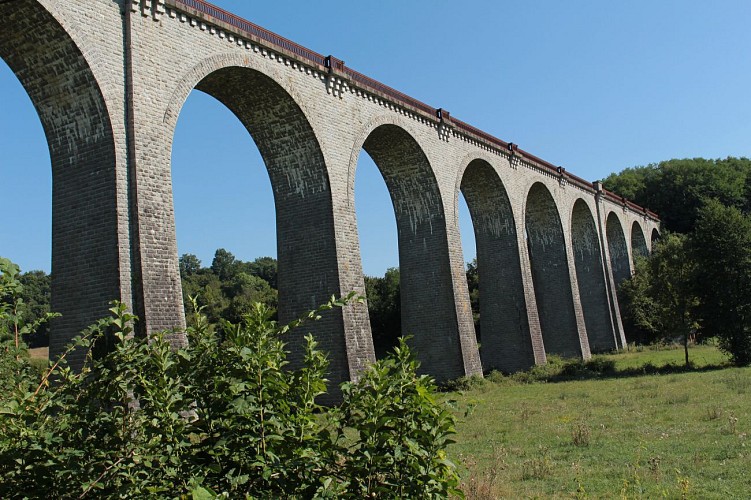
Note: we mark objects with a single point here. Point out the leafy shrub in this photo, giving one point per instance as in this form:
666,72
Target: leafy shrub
401,433
464,383
580,434
15,369
226,415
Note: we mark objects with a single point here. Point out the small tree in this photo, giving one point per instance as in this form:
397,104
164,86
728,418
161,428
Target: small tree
189,264
721,245
660,296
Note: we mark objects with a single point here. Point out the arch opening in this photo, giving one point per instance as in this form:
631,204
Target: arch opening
469,258
655,236
26,230
638,242
377,233
86,255
590,276
550,274
305,243
224,212
506,342
428,311
619,259
25,237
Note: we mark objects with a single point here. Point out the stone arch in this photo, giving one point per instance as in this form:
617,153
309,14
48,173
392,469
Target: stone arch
308,268
86,191
590,276
638,242
619,258
427,300
192,78
362,135
655,236
550,273
506,341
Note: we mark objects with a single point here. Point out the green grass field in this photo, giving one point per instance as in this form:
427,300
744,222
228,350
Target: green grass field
622,431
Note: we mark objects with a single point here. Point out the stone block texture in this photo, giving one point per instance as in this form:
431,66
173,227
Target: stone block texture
109,78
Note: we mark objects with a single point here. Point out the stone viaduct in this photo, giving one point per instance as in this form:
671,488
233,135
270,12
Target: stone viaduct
108,79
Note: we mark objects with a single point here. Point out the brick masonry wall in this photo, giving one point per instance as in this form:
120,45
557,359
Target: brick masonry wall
123,70
50,48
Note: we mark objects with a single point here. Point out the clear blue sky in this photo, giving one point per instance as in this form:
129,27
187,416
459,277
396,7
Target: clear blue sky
593,86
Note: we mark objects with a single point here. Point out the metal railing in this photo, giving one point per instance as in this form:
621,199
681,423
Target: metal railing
389,91
253,29
466,127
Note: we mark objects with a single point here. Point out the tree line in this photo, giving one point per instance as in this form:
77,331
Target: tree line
697,281
228,288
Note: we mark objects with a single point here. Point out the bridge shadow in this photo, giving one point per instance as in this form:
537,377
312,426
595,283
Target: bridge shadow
569,370
598,369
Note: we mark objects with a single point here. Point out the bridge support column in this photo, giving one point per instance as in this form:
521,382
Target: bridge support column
591,279
506,343
436,313
550,259
619,337
470,355
533,315
78,103
575,293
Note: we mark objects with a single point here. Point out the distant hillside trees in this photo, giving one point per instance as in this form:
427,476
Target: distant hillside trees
676,189
229,287
385,310
34,294
384,306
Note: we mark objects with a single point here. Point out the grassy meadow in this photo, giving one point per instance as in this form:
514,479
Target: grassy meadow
627,425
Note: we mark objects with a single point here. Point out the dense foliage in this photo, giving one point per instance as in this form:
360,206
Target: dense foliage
697,281
226,415
722,252
229,287
16,322
384,309
660,298
473,283
676,189
29,295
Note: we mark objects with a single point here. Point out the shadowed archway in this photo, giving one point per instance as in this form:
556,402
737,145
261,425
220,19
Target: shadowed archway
655,237
590,275
550,273
638,243
619,259
506,343
307,265
427,302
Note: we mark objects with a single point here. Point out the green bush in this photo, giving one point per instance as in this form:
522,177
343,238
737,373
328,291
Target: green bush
225,416
401,433
16,322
